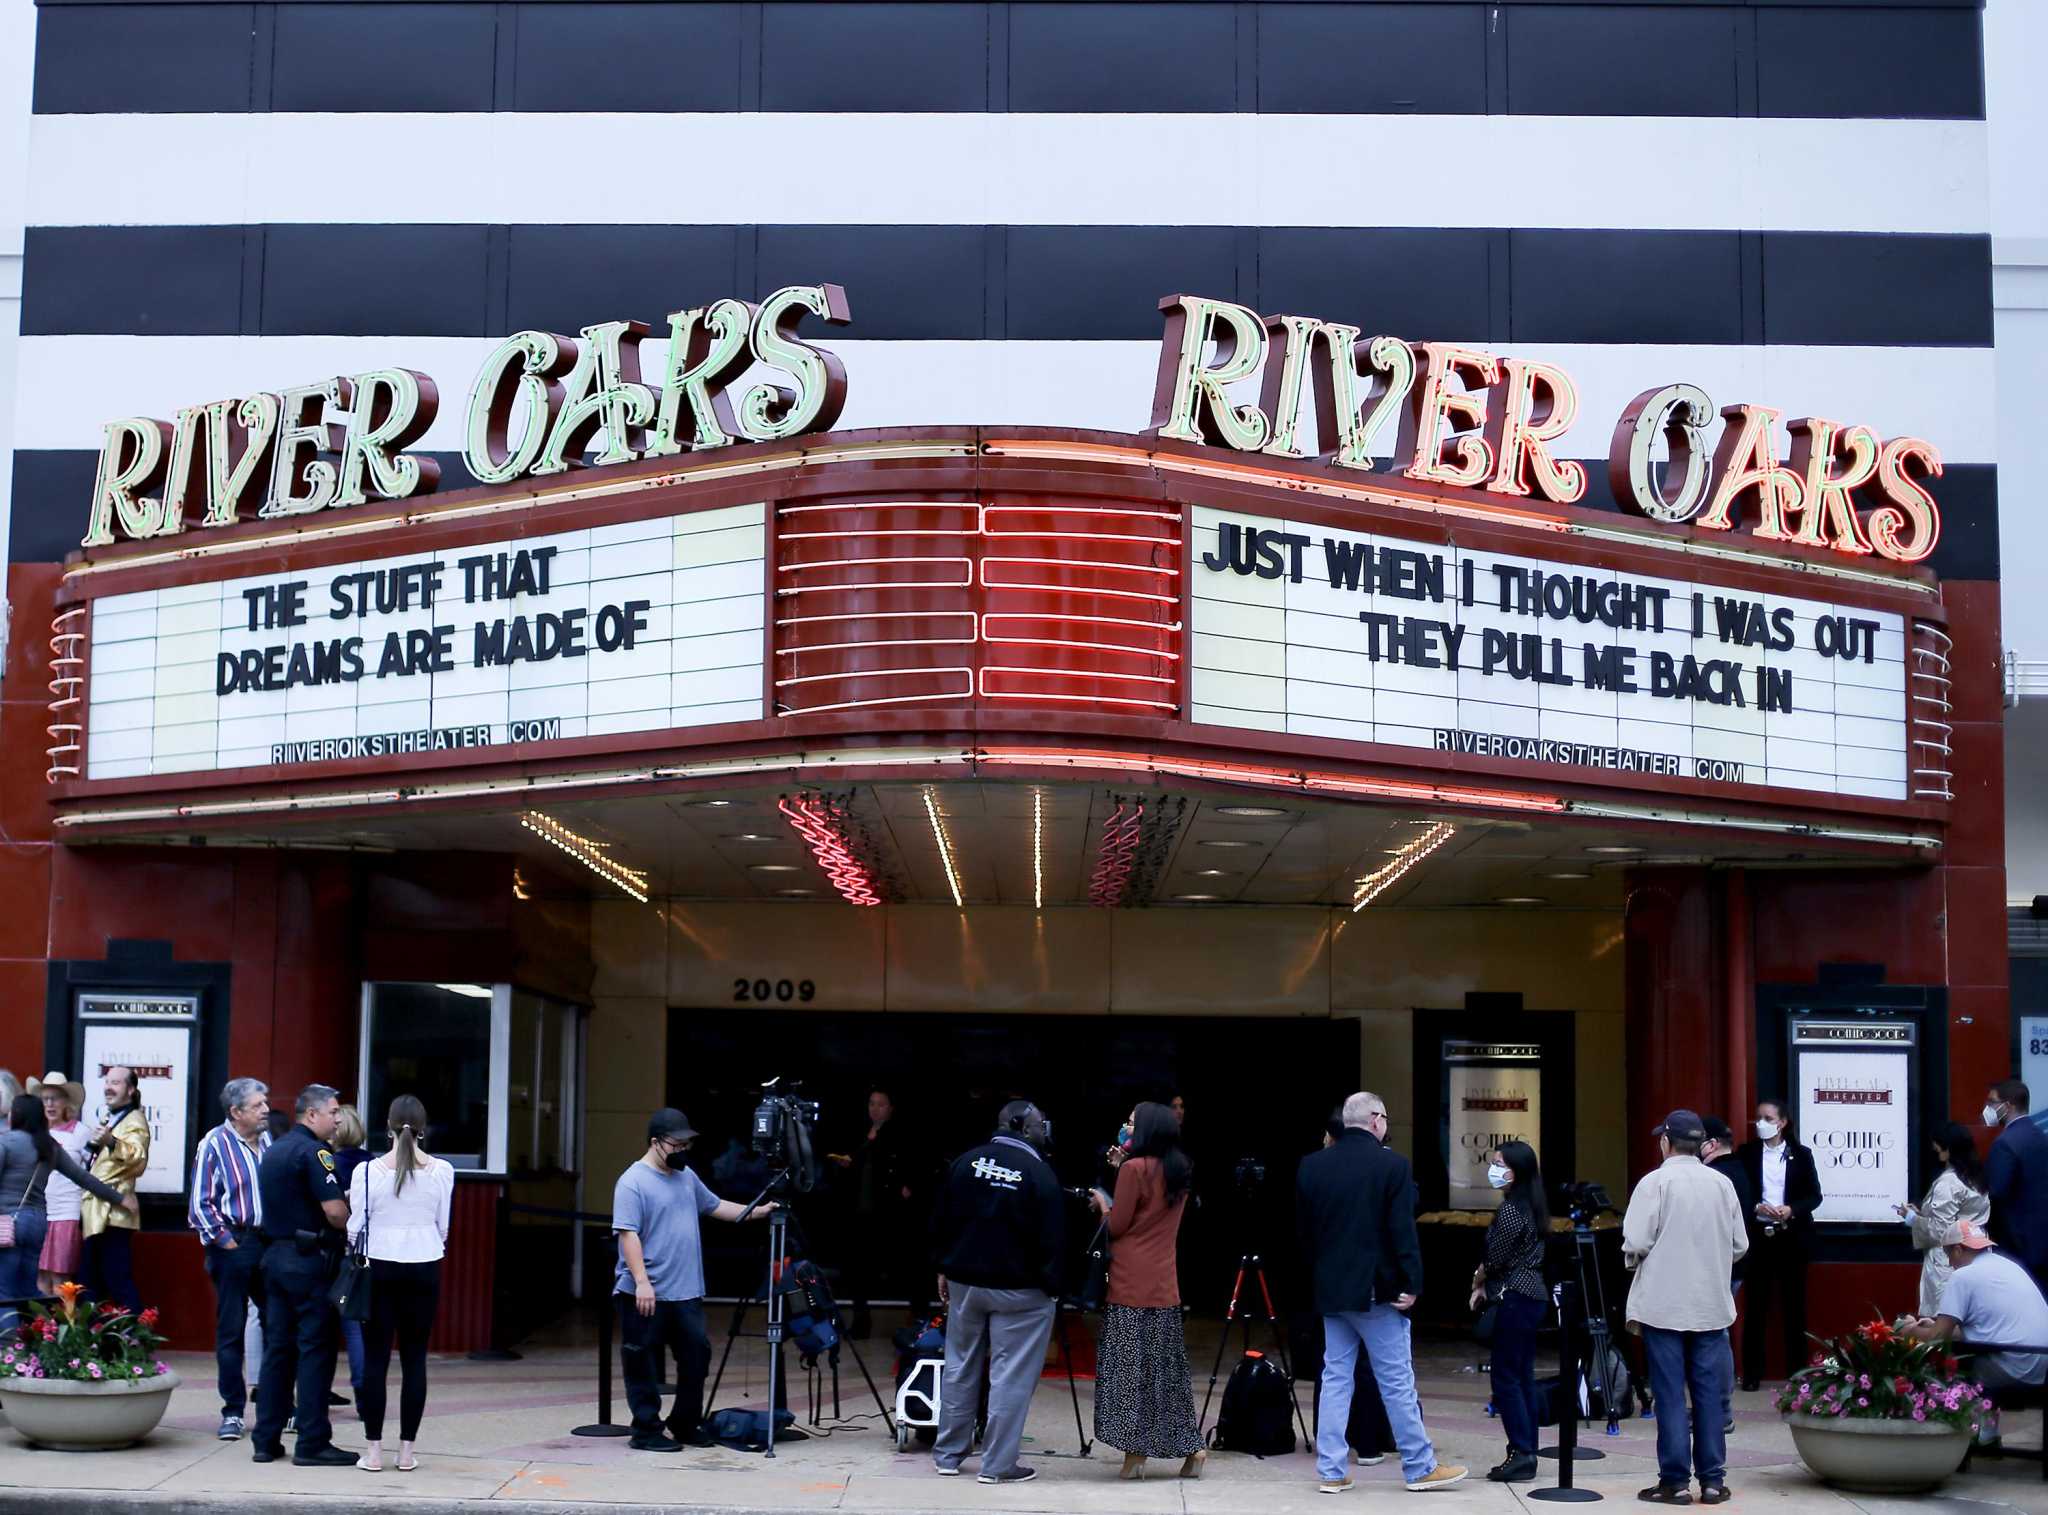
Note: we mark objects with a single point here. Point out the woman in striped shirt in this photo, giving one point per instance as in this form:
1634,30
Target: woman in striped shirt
1511,1279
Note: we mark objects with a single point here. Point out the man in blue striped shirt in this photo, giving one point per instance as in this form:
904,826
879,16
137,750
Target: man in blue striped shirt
225,1210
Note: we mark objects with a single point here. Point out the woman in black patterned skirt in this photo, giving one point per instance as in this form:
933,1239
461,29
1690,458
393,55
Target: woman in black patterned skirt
1144,1403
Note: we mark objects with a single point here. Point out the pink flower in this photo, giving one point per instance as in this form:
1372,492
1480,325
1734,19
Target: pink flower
1919,1414
1862,1403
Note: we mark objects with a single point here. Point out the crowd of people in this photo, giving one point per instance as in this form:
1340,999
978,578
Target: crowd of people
275,1211
278,1199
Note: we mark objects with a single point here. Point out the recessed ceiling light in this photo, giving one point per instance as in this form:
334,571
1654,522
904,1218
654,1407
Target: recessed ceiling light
805,892
1251,812
1614,851
1520,899
772,867
1215,873
710,804
1198,897
1567,875
1226,844
752,836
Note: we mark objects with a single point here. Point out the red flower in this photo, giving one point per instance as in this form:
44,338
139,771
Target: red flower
1876,1332
1816,1360
150,1317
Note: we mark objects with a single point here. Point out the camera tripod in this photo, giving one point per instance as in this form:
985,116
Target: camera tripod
777,1304
1251,1265
1602,1354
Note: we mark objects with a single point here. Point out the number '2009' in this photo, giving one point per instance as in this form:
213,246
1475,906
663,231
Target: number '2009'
748,991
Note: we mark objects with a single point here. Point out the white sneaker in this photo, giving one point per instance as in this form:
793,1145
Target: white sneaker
1368,1462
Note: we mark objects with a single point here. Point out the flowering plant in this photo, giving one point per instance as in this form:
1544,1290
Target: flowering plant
1876,1373
105,1345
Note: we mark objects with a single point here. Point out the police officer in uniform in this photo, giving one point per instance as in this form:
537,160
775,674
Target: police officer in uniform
304,1211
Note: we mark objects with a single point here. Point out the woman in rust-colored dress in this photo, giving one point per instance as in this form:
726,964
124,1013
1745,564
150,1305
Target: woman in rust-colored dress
1144,1403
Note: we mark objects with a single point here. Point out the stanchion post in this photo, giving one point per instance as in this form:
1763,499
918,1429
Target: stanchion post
604,1426
1570,1317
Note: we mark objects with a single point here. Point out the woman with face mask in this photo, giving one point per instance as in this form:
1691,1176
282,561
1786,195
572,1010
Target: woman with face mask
1511,1280
1783,1174
1957,1193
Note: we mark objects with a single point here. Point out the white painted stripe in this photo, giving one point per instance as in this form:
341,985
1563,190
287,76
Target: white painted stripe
1681,173
70,386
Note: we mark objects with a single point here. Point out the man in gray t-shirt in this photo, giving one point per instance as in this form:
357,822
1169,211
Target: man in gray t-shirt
660,1283
1991,1298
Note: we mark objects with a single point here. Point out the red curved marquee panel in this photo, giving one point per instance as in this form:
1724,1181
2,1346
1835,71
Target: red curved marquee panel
894,603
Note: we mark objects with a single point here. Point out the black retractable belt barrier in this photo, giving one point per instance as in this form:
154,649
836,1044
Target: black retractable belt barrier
603,1426
501,1243
1570,1358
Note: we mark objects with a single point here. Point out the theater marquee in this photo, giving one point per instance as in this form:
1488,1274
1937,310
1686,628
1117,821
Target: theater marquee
1318,632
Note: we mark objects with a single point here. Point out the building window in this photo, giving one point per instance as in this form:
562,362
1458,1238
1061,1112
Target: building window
450,1045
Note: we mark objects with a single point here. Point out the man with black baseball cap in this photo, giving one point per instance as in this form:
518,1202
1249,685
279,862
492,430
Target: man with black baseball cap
1682,1233
655,1208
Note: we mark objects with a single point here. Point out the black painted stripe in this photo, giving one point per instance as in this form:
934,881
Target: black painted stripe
1073,283
1840,58
53,487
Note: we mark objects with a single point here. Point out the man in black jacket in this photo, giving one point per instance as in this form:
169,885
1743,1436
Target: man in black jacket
1355,1209
997,1230
1785,1185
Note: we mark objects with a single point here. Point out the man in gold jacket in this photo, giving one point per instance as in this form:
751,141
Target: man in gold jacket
120,1151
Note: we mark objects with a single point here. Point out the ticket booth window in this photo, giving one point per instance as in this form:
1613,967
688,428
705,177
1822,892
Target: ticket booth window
450,1045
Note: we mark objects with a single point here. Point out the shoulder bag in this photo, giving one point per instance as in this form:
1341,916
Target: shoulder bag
7,1221
350,1291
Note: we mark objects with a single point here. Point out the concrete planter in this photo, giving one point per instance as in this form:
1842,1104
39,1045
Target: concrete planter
1879,1456
85,1417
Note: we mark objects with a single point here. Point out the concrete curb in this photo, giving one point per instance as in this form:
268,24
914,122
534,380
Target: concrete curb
18,1501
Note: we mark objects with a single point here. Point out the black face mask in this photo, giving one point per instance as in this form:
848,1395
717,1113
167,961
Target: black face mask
675,1161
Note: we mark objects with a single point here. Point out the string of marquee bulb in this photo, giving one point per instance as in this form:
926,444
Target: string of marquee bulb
1038,849
589,853
1390,873
931,809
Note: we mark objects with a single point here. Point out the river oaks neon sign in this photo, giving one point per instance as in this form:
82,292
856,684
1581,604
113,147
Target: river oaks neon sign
539,404
1450,415
1462,417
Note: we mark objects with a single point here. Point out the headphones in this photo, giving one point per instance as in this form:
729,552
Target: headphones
1030,1125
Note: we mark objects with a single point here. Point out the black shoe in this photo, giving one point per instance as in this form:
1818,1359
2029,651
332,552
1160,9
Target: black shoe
1518,1467
326,1457
654,1444
697,1438
1018,1474
1665,1493
334,1399
1714,1493
266,1454
1751,1385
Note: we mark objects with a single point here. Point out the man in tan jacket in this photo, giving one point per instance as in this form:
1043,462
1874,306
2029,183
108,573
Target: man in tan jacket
120,1151
1681,1234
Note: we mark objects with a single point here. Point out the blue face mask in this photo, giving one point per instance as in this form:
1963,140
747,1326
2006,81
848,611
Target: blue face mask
1123,1136
1499,1176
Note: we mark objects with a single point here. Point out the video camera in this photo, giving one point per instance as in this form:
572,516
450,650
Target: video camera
1585,1201
784,1131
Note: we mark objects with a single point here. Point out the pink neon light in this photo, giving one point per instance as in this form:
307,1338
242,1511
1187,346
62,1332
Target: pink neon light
846,872
1118,852
1242,773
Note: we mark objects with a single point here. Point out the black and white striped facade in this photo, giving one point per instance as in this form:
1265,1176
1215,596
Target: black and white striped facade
1782,203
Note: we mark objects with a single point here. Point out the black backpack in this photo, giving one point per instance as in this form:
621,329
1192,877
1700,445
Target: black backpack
1258,1410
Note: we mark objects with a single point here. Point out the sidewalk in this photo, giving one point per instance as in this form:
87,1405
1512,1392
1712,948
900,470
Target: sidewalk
498,1433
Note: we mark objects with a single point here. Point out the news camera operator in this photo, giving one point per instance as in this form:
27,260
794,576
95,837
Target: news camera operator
660,1282
997,1230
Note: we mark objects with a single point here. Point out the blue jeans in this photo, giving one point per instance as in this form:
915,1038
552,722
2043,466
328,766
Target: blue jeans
1514,1368
18,1262
1703,1362
352,1338
1384,1331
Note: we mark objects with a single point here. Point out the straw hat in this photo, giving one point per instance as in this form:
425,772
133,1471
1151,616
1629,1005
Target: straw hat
54,1082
